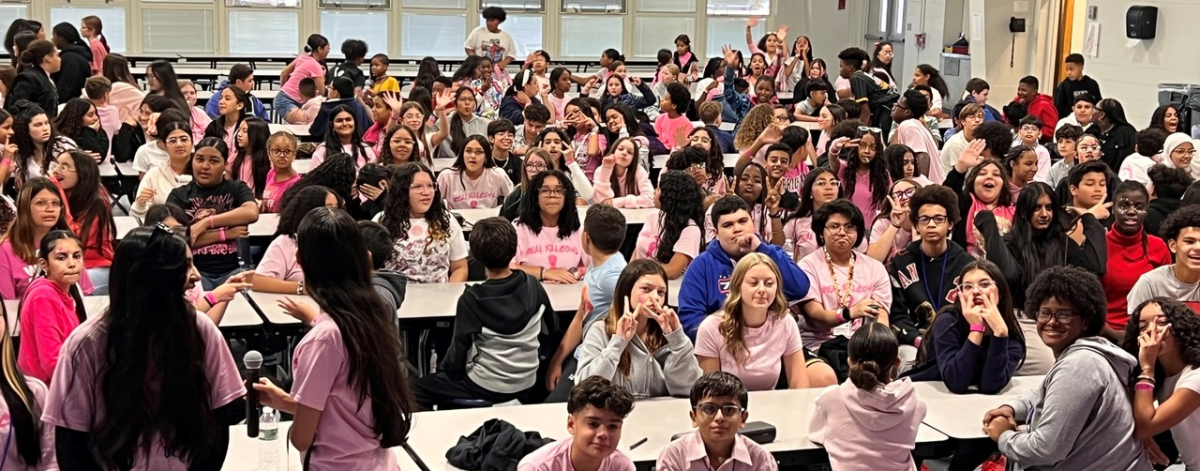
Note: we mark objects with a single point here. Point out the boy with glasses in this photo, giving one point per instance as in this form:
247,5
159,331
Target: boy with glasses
1028,132
719,401
502,134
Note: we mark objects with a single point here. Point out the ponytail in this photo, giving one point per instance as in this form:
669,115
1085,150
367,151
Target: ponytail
865,375
315,41
873,351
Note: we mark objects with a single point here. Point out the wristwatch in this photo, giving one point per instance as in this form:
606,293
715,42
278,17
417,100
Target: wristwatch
846,314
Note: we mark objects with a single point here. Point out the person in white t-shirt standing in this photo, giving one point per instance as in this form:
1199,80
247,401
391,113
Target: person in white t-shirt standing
489,41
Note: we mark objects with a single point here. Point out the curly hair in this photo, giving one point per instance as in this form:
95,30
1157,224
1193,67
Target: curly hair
934,195
715,166
759,202
681,204
997,137
292,213
877,168
69,121
1182,218
336,173
1071,285
1185,328
396,208
733,326
845,208
531,207
756,120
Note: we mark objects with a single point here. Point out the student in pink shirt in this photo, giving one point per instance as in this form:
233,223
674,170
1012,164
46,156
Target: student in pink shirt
755,337
750,184
351,394
52,306
820,187
279,272
39,211
871,421
234,105
845,287
674,237
127,94
864,172
597,411
892,229
549,245
343,136
92,29
620,181
474,181
178,412
912,132
281,150
672,125
587,142
21,400
306,65
250,163
771,46
719,411
429,243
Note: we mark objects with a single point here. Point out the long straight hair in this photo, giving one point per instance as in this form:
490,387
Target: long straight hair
88,203
216,128
458,135
1036,250
333,142
333,255
47,244
21,233
1007,307
115,68
165,73
257,133
733,326
624,288
631,171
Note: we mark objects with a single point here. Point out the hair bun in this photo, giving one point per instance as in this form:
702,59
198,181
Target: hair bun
865,375
308,49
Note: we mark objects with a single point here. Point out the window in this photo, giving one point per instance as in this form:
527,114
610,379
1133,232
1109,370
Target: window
264,32
732,32
433,34
373,4
368,26
263,3
654,33
526,31
588,36
666,6
888,23
515,5
739,7
593,6
113,19
10,12
178,1
177,31
443,4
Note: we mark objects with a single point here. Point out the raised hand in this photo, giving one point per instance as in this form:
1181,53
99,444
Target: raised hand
752,21
1150,344
681,138
636,81
771,135
443,99
782,32
392,100
731,57
607,162
10,149
774,194
971,156
899,213
627,324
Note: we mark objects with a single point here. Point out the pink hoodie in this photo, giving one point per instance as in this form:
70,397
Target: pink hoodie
110,122
604,190
868,430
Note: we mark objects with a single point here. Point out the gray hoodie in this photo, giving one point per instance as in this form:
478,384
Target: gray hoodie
669,371
1081,418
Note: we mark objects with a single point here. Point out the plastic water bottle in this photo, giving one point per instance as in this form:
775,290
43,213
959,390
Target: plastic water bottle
789,248
268,446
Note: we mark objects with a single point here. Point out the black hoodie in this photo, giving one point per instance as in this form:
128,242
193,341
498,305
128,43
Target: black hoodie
498,330
75,70
32,87
915,277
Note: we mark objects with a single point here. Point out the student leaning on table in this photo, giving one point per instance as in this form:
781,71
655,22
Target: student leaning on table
430,247
351,394
549,244
1163,332
597,411
1081,417
719,411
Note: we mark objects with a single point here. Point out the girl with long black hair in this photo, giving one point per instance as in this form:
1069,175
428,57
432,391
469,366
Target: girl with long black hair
463,123
79,122
351,396
234,105
750,183
251,164
674,238
556,141
159,180
53,305
429,244
336,173
278,272
865,176
474,181
89,213
180,416
342,136
549,231
38,143
160,76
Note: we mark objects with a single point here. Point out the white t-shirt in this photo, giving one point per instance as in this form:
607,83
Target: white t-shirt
149,156
423,264
1136,167
495,46
1186,433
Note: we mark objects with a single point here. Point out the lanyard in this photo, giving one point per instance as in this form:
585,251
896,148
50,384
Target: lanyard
935,300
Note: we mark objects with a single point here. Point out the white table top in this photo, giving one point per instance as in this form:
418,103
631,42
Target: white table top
632,215
265,226
299,130
264,95
961,415
108,169
660,161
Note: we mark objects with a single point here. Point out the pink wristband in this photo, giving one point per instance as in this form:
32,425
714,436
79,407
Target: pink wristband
222,234
977,327
1143,386
212,222
212,300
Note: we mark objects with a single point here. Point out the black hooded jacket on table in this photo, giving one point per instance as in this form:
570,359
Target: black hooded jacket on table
916,277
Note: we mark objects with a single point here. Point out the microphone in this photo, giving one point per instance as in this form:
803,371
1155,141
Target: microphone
253,361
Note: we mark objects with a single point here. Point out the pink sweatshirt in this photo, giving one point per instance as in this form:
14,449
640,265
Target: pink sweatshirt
98,54
47,318
604,190
110,122
868,430
15,274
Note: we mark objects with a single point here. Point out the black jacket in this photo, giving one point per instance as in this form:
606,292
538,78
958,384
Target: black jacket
512,110
1116,144
1068,91
32,87
75,70
911,307
495,446
320,124
90,140
1158,211
126,142
503,307
1092,256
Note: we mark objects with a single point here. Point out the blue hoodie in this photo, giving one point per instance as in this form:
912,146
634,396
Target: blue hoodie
211,107
706,282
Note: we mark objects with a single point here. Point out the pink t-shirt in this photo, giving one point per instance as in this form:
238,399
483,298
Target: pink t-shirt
365,155
766,344
799,230
557,457
870,281
643,198
545,249
273,193
47,318
666,127
306,67
559,104
914,134
345,438
487,191
899,242
98,54
279,260
647,242
422,261
585,161
862,193
12,460
16,275
75,401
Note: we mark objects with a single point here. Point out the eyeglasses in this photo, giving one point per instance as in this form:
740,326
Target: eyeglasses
982,285
844,228
1063,316
699,166
47,204
535,167
1087,148
557,191
178,141
710,410
1030,128
904,194
827,183
422,187
282,152
925,220
1180,151
701,140
60,168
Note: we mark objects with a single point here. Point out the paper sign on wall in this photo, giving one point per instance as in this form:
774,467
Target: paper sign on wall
1091,39
977,27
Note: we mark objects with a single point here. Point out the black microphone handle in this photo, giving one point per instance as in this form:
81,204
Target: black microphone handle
251,404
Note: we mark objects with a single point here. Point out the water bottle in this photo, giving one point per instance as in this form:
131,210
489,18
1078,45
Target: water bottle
789,248
268,447
433,363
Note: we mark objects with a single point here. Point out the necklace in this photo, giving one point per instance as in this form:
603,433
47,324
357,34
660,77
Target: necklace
843,298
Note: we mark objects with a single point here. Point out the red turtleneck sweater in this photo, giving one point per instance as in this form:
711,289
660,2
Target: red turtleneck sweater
1127,263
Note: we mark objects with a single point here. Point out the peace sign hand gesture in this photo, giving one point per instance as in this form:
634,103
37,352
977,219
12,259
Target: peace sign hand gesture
899,213
774,194
627,324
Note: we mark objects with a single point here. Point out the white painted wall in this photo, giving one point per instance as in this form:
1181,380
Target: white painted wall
1131,74
829,29
997,55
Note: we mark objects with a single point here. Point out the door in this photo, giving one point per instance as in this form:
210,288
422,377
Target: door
885,22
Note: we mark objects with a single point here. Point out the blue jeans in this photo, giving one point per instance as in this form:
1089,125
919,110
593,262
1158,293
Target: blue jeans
210,281
99,278
282,105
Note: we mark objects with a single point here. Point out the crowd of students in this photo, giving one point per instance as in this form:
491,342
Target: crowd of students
1047,238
